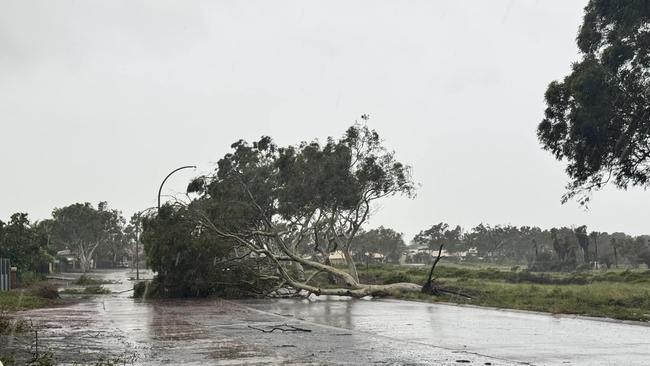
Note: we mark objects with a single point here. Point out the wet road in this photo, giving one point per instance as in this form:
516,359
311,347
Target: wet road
519,336
219,332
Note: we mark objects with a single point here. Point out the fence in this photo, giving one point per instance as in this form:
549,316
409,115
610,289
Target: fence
5,274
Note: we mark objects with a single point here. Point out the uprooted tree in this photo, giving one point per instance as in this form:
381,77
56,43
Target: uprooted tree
285,209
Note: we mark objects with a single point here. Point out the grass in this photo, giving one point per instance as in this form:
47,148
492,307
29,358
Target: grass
601,299
11,301
618,294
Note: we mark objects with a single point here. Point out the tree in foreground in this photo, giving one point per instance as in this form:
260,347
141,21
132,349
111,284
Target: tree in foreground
288,208
598,117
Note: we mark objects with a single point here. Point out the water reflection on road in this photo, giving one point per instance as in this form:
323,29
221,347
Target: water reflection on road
209,331
521,336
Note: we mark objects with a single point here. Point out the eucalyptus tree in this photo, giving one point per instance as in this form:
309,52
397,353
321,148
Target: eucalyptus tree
583,241
83,228
440,234
598,117
283,203
565,246
381,240
498,241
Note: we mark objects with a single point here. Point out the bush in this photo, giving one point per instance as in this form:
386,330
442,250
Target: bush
28,279
9,325
90,290
397,277
139,289
85,280
46,291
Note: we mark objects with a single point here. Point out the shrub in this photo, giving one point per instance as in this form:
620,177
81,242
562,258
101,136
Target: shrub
9,325
397,277
28,279
90,290
46,291
85,280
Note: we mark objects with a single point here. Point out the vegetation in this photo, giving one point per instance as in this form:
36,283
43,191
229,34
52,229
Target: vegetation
597,117
557,249
85,280
26,244
385,242
23,300
278,212
616,294
100,235
84,229
90,290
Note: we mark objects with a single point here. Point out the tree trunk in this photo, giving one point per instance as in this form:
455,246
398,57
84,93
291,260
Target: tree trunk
392,289
300,271
428,286
351,266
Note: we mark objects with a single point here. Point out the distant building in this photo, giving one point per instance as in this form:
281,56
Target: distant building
66,261
337,257
422,254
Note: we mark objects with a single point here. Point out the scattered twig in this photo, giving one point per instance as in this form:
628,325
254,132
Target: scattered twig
283,327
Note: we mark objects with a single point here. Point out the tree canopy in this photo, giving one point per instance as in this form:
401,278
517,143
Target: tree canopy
83,228
597,117
295,205
382,240
26,244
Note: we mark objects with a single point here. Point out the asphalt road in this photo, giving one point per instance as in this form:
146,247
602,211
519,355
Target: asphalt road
331,331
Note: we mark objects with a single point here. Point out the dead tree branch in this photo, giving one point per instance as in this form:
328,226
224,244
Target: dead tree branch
282,327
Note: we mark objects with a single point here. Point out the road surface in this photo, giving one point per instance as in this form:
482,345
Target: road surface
339,331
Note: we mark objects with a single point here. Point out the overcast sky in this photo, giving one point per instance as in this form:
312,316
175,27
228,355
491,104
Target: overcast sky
99,100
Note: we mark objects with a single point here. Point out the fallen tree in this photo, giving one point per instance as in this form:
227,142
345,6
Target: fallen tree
289,208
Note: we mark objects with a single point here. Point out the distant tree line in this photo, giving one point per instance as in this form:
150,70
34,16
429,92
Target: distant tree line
89,234
561,248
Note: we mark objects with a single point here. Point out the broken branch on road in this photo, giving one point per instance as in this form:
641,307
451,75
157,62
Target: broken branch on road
283,327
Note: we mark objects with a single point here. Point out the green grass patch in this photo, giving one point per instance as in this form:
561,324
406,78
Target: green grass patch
616,294
601,299
21,300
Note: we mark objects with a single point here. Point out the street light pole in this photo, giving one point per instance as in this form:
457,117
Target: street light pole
138,222
137,248
168,175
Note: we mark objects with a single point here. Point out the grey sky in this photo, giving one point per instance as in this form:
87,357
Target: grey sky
99,100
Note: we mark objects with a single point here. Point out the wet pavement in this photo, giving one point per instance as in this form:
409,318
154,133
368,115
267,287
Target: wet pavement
331,331
535,338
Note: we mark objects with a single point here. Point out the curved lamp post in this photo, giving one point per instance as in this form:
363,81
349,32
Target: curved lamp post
168,175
